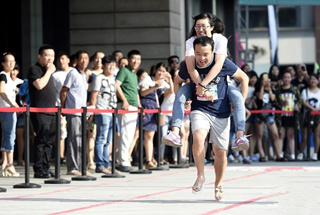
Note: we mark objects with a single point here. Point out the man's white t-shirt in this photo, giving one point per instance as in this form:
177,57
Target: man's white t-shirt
58,78
106,98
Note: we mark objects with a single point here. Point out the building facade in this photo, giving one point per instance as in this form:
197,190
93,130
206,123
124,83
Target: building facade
158,28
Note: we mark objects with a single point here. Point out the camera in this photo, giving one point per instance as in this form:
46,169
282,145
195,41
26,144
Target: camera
303,68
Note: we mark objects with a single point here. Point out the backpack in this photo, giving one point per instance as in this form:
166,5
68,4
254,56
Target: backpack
24,91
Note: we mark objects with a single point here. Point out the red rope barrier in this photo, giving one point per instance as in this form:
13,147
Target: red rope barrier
270,111
70,111
166,111
100,110
13,109
151,110
43,110
315,112
128,111
64,110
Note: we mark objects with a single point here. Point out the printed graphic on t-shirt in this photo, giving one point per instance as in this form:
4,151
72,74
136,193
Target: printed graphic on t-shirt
108,94
288,99
313,102
213,89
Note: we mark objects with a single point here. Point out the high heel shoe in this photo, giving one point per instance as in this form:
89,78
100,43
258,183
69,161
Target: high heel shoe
11,172
218,193
197,187
4,172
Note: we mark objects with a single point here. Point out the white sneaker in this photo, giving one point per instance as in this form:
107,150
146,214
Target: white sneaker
172,139
314,157
231,159
300,156
293,157
241,143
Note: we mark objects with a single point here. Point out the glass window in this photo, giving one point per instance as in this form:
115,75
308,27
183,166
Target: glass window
288,17
258,16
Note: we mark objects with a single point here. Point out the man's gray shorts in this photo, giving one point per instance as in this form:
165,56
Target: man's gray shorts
219,128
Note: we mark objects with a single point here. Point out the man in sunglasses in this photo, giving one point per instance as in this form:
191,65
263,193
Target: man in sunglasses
174,63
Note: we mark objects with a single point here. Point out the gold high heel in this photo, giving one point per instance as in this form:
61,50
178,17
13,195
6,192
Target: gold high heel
4,172
11,173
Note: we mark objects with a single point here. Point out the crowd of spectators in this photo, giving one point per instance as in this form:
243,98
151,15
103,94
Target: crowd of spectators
274,136
109,81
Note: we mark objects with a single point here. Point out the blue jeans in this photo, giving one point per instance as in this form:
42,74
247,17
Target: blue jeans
164,130
8,124
103,140
236,98
185,92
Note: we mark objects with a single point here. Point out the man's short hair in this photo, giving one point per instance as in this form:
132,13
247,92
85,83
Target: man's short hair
133,52
44,47
62,53
203,41
108,59
172,56
94,55
122,59
16,67
80,52
115,52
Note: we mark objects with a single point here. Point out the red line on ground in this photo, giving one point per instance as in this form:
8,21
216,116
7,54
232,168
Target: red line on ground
148,195
97,185
117,201
243,203
246,176
150,177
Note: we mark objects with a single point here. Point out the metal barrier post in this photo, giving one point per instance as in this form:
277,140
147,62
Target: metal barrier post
27,153
114,135
57,179
84,177
308,135
159,166
296,132
191,163
141,170
179,165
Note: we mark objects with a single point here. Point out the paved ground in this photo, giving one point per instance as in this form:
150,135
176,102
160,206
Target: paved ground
260,188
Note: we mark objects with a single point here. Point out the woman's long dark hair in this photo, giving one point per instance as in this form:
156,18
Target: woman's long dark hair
213,20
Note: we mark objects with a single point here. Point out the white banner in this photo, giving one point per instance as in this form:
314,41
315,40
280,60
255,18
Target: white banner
273,33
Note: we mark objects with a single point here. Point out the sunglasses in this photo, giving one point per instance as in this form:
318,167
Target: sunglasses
174,61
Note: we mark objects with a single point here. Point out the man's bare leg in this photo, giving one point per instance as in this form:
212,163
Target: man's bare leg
220,165
199,156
